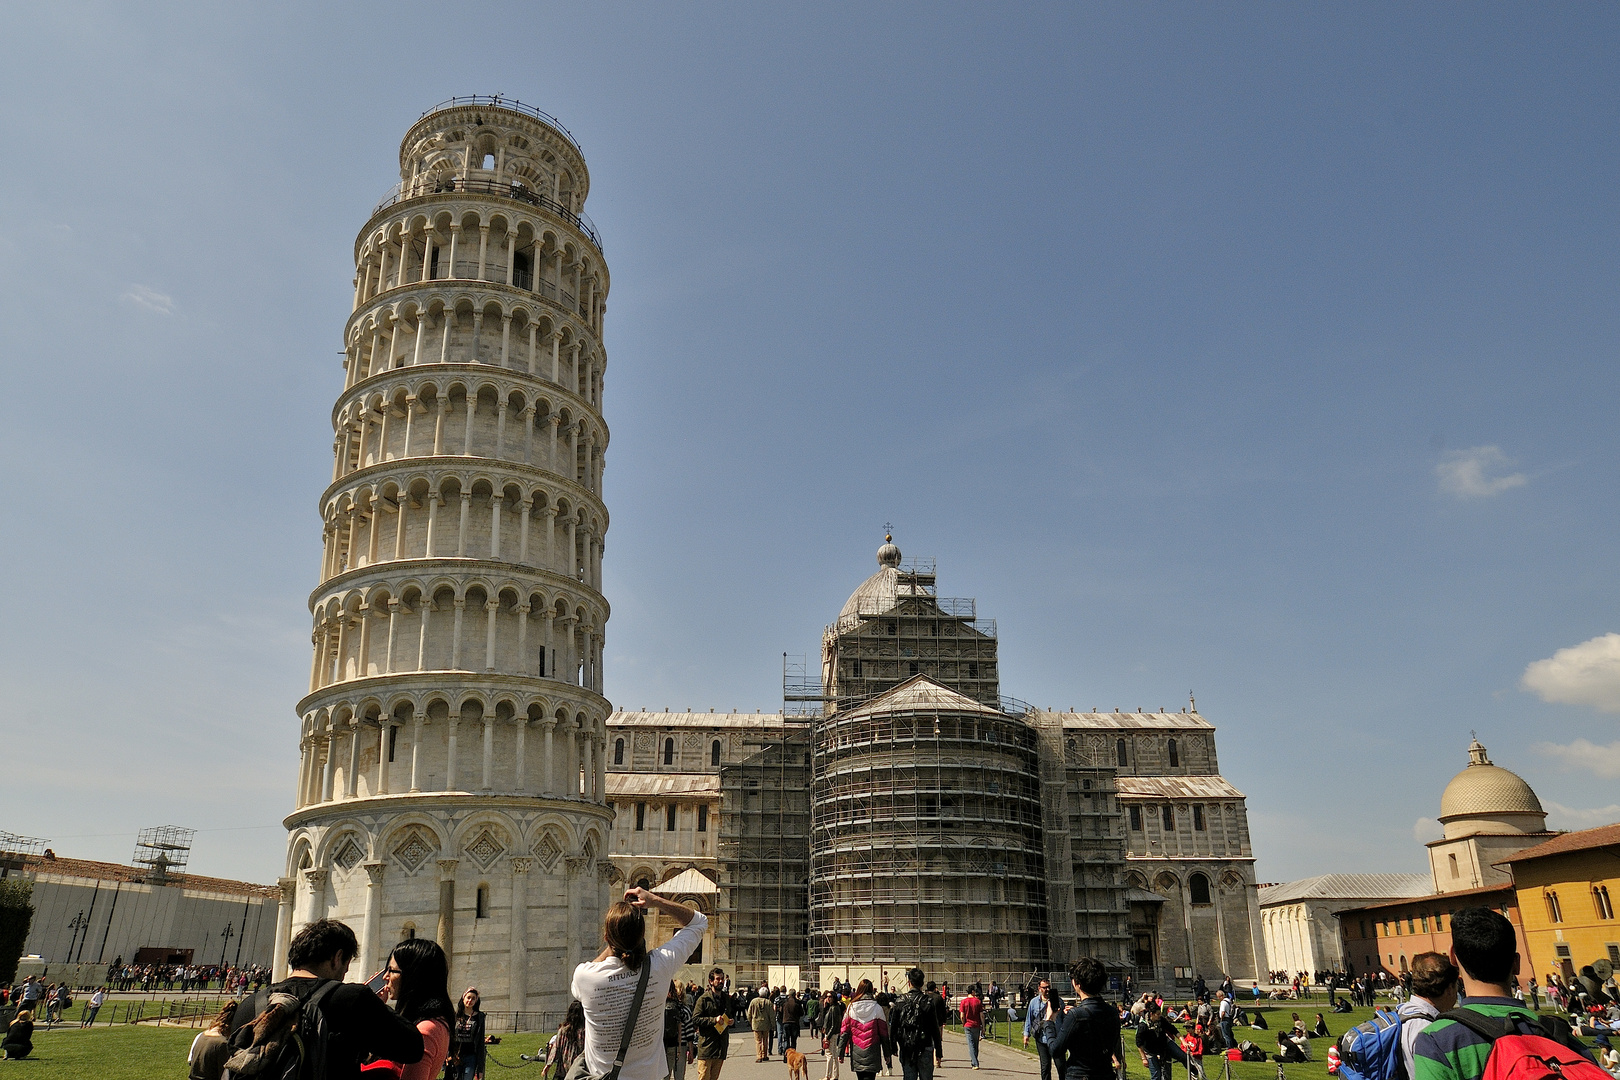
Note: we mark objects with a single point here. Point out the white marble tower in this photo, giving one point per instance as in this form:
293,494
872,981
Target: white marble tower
452,780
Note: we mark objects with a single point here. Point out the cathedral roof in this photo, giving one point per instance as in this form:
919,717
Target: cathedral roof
624,718
693,882
1362,887
1176,787
1486,789
1134,720
920,694
631,785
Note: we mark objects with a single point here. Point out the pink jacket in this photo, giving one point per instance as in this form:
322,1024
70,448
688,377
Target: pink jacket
864,1025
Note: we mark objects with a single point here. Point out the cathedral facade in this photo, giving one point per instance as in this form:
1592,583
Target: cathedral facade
914,814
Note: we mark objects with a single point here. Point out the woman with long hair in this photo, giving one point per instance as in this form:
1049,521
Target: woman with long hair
212,1046
467,1045
19,1041
606,986
565,1046
865,1031
417,977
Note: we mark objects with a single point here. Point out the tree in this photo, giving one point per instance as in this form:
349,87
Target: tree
16,914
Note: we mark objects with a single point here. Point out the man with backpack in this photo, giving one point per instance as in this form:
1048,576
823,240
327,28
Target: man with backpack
1492,1035
315,1025
1036,1018
914,1027
1156,1041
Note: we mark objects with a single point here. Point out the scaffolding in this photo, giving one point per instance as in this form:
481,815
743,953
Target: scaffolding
884,642
926,843
764,854
163,852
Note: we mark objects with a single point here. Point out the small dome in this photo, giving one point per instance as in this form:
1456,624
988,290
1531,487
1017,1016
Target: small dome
888,554
1486,790
880,592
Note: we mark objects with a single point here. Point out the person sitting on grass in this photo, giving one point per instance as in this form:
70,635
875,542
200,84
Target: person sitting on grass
19,1041
1320,1031
1291,1049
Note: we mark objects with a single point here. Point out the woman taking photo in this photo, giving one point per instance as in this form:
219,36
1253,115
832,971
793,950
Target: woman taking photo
607,986
418,978
19,1041
467,1046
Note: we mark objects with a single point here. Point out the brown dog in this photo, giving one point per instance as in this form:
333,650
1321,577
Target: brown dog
797,1070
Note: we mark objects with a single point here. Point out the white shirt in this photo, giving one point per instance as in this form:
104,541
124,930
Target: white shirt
607,987
1415,1016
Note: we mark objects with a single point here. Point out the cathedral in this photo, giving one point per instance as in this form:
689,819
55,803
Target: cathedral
914,814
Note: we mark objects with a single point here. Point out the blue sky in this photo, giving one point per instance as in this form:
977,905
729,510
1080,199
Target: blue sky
1260,351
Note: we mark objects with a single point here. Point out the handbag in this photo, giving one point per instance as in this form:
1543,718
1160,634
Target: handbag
579,1069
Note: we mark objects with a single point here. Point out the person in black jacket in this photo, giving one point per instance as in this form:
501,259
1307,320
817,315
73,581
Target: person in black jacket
359,1024
1156,1040
1087,1042
467,1037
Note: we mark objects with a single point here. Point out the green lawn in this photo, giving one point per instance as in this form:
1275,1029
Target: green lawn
148,1052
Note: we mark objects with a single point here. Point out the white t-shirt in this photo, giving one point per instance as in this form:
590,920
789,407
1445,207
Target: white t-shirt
606,988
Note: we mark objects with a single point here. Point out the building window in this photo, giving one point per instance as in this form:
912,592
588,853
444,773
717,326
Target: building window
1452,859
1198,887
855,667
1439,922
1175,758
1411,926
1554,912
1136,819
1169,818
973,669
703,818
669,818
618,751
1398,930
393,741
911,668
433,272
522,271
542,663
641,816
1363,923
1119,752
1614,953
407,932
1198,818
482,911
714,753
894,630
669,751
1425,923
1600,900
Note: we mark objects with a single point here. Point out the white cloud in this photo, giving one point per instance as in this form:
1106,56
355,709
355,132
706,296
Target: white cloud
1603,761
150,299
1466,474
1584,674
1425,829
1568,817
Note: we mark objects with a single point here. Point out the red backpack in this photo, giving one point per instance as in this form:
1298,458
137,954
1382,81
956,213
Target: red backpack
1538,1054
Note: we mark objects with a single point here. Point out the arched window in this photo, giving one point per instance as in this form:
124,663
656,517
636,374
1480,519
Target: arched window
489,161
482,911
618,751
407,932
1119,753
1198,888
1600,900
714,753
1175,758
669,751
1169,818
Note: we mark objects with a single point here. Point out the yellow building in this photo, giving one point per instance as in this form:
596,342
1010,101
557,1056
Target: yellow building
1565,887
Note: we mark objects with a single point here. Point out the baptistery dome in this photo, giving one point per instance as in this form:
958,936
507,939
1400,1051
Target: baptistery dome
1488,798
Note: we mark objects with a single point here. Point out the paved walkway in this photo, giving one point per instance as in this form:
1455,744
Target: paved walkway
995,1062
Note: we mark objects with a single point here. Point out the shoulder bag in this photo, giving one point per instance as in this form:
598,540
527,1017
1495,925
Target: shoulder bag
580,1070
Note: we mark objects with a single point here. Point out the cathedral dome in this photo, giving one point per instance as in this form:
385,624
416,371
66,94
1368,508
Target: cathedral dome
1486,797
881,591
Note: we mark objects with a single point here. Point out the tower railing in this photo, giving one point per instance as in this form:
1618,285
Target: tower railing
501,101
505,189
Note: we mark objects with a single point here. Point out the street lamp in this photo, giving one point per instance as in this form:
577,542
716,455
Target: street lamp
225,940
79,923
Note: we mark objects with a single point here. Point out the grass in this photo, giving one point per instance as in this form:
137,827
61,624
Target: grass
145,1051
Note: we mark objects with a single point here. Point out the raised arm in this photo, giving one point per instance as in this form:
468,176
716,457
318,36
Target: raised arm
644,898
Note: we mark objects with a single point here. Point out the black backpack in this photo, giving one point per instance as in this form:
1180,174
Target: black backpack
672,1024
292,1043
912,1022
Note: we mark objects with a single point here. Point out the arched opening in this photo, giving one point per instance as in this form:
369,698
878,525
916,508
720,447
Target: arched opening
1175,757
407,932
714,753
1198,889
482,911
488,162
669,751
618,751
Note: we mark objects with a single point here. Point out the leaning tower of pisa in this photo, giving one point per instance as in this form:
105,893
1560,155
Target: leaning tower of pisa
452,776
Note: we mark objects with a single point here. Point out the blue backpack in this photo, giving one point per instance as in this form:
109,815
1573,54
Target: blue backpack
1372,1050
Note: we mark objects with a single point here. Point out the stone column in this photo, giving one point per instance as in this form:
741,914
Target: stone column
548,771
455,232
421,330
523,640
580,870
393,629
426,608
520,776
483,251
500,423
506,340
471,403
550,514
328,767
316,880
461,530
534,328
518,964
385,731
371,929
351,780
489,752
284,921
438,425
447,905
460,604
416,752
524,509
450,765
497,507
493,607
433,499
